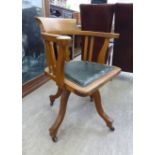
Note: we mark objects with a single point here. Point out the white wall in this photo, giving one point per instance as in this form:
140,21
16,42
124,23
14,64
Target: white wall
74,4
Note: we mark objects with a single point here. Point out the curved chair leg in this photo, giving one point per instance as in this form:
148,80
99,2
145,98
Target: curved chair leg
53,97
99,108
63,104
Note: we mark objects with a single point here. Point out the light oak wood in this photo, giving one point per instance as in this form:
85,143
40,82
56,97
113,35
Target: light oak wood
65,84
55,69
53,97
91,48
97,98
56,24
49,58
63,46
86,33
63,104
85,48
103,51
51,25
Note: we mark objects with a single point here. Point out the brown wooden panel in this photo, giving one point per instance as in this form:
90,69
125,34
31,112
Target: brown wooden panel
123,47
34,84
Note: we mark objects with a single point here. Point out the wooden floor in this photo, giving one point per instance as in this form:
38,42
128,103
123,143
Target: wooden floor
82,132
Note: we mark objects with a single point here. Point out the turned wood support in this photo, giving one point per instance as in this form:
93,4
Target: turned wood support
97,98
53,97
63,104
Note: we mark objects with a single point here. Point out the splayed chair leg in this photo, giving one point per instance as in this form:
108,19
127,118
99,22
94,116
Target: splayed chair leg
97,98
53,97
63,104
91,98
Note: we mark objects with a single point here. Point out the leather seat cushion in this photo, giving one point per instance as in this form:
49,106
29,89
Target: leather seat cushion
84,73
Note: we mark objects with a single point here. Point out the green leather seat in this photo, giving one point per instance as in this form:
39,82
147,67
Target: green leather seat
84,73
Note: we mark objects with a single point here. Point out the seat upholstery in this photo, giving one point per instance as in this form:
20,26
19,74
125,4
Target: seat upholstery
84,73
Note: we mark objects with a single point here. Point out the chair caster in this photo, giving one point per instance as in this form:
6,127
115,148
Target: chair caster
91,99
55,139
112,129
111,126
52,102
53,135
52,99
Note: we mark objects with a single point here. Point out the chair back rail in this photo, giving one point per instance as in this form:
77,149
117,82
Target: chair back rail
89,39
55,24
87,33
68,27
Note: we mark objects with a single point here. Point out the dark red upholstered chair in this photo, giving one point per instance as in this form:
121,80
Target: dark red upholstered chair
96,18
123,47
99,18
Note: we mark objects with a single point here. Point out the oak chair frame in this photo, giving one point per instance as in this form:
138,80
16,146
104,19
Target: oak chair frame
55,70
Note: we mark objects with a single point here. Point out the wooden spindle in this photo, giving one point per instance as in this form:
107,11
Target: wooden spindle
102,53
91,48
52,57
85,48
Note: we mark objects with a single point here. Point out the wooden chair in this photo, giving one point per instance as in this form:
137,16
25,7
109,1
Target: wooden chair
83,78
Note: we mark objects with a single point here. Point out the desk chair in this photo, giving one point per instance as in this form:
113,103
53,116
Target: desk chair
83,78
